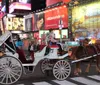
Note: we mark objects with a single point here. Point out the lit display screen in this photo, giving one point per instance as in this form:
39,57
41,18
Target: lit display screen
64,33
43,31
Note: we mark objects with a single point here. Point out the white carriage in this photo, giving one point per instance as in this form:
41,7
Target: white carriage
11,68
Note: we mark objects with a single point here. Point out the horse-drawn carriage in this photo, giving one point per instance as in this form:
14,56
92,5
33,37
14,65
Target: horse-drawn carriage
12,66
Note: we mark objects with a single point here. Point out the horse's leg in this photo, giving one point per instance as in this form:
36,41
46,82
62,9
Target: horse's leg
97,50
77,68
97,63
88,66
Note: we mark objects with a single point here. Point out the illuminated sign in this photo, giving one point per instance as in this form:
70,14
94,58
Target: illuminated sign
15,24
51,2
54,16
20,6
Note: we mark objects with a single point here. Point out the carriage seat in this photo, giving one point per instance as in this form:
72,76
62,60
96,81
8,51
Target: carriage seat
60,50
22,56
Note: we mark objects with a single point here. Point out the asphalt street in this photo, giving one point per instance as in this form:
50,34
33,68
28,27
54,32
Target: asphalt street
38,78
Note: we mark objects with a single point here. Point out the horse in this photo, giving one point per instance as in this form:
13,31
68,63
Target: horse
96,50
85,50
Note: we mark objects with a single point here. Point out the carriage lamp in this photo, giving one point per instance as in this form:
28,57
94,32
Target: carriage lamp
1,53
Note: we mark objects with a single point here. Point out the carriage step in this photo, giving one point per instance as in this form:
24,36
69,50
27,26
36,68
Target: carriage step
50,65
28,70
48,68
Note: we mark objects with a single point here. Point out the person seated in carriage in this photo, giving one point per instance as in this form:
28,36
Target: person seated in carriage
33,47
19,48
52,40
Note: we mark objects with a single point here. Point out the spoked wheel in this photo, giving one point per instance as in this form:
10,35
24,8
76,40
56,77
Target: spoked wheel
45,65
10,70
61,69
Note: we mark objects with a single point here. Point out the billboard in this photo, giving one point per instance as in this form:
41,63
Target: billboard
15,24
52,2
29,22
50,19
64,33
39,21
4,6
19,4
41,32
86,17
54,16
20,1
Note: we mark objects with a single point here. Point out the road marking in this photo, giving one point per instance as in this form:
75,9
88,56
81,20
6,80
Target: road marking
63,82
41,83
95,77
85,81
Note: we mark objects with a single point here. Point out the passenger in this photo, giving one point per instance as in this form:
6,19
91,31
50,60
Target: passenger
52,40
19,43
43,39
20,51
31,50
36,45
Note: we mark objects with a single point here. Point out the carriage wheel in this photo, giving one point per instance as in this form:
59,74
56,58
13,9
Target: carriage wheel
10,70
61,70
44,65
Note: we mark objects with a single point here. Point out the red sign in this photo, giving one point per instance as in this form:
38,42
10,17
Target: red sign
1,14
51,2
66,1
54,17
39,21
